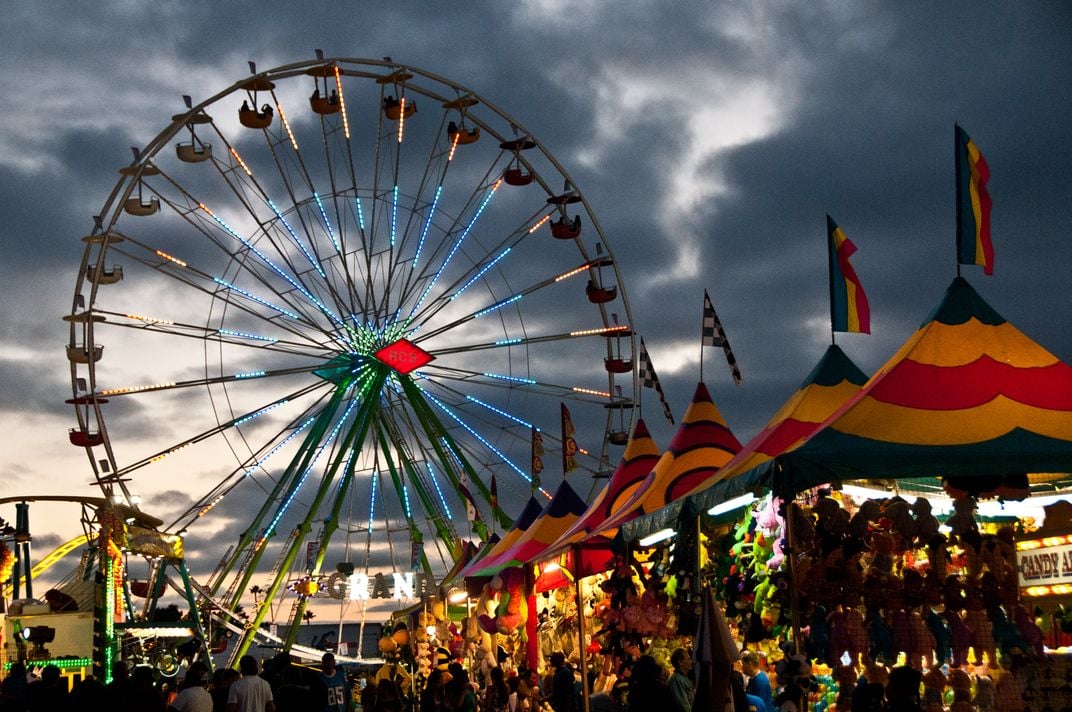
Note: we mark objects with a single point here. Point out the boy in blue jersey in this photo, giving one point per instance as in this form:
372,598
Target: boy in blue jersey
338,687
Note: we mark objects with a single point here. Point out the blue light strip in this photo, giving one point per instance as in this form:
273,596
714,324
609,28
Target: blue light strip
503,413
454,249
250,374
514,379
228,285
277,448
297,241
276,268
394,215
480,274
442,499
305,475
372,503
258,413
500,305
508,342
405,501
478,436
327,224
360,213
427,224
229,332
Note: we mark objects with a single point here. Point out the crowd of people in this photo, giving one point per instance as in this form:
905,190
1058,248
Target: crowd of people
280,687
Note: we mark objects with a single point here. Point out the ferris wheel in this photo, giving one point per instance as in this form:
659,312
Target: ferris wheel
333,301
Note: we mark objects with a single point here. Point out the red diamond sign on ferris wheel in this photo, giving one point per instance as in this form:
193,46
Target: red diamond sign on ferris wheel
404,356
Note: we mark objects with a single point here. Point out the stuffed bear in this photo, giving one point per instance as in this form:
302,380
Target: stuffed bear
901,524
934,684
943,637
961,683
926,524
985,695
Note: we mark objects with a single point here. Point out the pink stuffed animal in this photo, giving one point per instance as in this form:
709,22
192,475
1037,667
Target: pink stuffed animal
962,636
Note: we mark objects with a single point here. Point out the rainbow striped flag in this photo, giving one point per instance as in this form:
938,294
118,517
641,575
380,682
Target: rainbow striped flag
849,310
973,204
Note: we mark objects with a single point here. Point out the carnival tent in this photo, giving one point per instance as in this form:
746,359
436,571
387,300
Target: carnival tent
702,444
564,509
532,511
968,395
587,554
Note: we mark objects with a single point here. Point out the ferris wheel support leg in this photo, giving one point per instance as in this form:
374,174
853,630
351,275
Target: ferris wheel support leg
290,480
431,423
356,434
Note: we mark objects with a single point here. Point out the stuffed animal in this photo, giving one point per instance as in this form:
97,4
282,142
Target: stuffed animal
845,676
857,633
982,631
818,642
860,523
921,642
962,636
926,524
898,515
1007,636
1029,630
1007,692
832,522
513,609
881,637
943,637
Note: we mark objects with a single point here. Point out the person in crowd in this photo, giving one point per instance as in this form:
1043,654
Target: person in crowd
432,694
757,683
250,693
902,691
496,694
118,690
192,696
47,694
143,694
458,693
337,686
680,683
609,701
13,690
741,699
221,685
388,697
562,687
295,688
89,694
647,689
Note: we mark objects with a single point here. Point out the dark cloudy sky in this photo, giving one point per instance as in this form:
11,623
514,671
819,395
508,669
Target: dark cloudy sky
709,137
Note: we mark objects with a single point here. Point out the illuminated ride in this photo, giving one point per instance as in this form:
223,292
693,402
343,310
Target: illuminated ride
325,306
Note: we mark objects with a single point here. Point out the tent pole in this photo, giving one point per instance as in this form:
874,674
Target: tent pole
581,647
794,598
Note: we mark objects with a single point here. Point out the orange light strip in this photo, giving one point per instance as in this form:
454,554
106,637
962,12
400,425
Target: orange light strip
1061,589
169,258
1045,541
342,104
540,224
589,391
401,117
286,125
604,330
241,162
573,272
454,145
172,451
134,389
149,319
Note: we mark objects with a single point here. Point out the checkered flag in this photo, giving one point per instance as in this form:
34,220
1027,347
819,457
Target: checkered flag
714,335
649,379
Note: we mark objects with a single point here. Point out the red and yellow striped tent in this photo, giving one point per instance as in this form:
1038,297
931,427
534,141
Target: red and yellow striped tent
968,395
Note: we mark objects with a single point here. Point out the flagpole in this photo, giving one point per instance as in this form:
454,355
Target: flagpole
956,197
702,337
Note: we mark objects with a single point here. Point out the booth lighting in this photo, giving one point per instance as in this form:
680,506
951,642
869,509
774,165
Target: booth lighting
552,566
1058,590
731,504
1047,541
651,539
457,596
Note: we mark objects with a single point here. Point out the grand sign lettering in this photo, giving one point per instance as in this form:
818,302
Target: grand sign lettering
362,587
1047,566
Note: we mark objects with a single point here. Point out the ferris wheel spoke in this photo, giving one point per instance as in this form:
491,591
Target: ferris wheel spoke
439,375
583,268
520,341
243,418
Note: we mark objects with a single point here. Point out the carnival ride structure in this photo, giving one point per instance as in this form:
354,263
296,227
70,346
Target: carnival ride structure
333,320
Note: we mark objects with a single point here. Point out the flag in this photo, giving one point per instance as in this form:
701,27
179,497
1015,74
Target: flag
973,205
537,460
714,335
471,510
494,494
849,310
649,379
569,444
